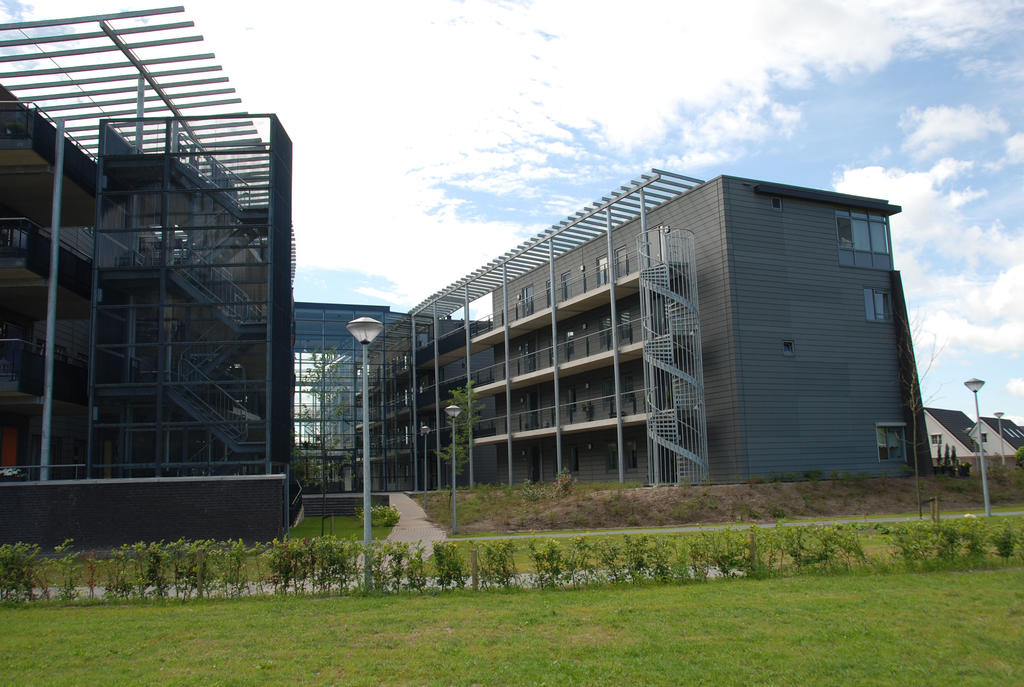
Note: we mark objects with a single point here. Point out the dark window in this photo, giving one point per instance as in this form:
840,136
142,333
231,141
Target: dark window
890,442
877,305
574,459
612,457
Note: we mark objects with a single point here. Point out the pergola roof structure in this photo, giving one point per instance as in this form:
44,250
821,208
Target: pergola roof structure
90,68
617,208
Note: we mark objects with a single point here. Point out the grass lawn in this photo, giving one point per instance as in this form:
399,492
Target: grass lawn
345,526
941,628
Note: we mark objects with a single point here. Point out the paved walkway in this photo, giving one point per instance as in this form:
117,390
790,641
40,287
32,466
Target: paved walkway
414,527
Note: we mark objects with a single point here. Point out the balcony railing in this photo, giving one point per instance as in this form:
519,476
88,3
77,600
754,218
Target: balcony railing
21,362
22,238
572,412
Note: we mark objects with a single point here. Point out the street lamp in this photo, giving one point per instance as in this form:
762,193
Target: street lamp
365,330
1002,446
975,385
453,411
424,431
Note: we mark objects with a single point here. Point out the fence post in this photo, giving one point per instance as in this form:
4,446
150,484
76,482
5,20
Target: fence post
474,568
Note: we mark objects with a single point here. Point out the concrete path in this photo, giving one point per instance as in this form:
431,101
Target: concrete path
414,527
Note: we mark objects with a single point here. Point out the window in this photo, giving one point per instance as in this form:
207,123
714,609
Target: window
574,459
566,285
602,270
776,203
890,442
625,327
612,457
936,439
788,347
526,301
863,240
547,293
621,262
570,345
877,305
631,455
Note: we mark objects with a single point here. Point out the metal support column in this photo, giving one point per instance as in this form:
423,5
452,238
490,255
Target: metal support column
615,349
437,398
554,356
508,372
412,409
51,302
469,391
643,262
140,112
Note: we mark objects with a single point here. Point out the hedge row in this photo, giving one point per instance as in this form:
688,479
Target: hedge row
328,565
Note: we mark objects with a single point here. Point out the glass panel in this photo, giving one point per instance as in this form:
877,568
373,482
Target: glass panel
861,239
845,232
879,242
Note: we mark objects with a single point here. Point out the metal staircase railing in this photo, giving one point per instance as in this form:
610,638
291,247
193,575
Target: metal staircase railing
205,399
215,283
673,372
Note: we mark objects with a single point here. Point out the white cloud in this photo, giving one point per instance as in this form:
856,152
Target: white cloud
1015,149
935,130
1016,387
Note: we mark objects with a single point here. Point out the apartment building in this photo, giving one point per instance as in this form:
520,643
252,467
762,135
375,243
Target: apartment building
174,312
683,331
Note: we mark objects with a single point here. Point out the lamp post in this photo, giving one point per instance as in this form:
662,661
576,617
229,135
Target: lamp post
365,330
453,411
424,431
1002,446
975,385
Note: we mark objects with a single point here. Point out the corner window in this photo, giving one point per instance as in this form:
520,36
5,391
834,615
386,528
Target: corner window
863,240
877,305
890,442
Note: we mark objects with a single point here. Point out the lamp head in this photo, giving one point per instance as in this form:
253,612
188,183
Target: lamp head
424,430
974,384
364,329
452,411
999,414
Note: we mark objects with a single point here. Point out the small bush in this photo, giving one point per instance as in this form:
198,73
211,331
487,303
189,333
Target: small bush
497,564
380,516
19,570
449,565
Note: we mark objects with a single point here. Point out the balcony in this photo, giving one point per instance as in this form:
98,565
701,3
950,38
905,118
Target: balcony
27,147
25,268
575,416
21,379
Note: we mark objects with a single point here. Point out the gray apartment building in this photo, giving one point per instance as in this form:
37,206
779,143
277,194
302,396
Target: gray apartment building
681,331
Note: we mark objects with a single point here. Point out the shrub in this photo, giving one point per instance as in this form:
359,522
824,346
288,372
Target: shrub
66,565
380,516
579,562
449,565
19,569
497,564
548,565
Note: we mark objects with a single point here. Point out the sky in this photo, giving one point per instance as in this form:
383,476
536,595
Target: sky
431,136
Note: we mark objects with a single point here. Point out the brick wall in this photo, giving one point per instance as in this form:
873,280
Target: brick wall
101,514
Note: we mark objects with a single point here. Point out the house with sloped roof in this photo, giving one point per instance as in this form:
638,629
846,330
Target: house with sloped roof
950,428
